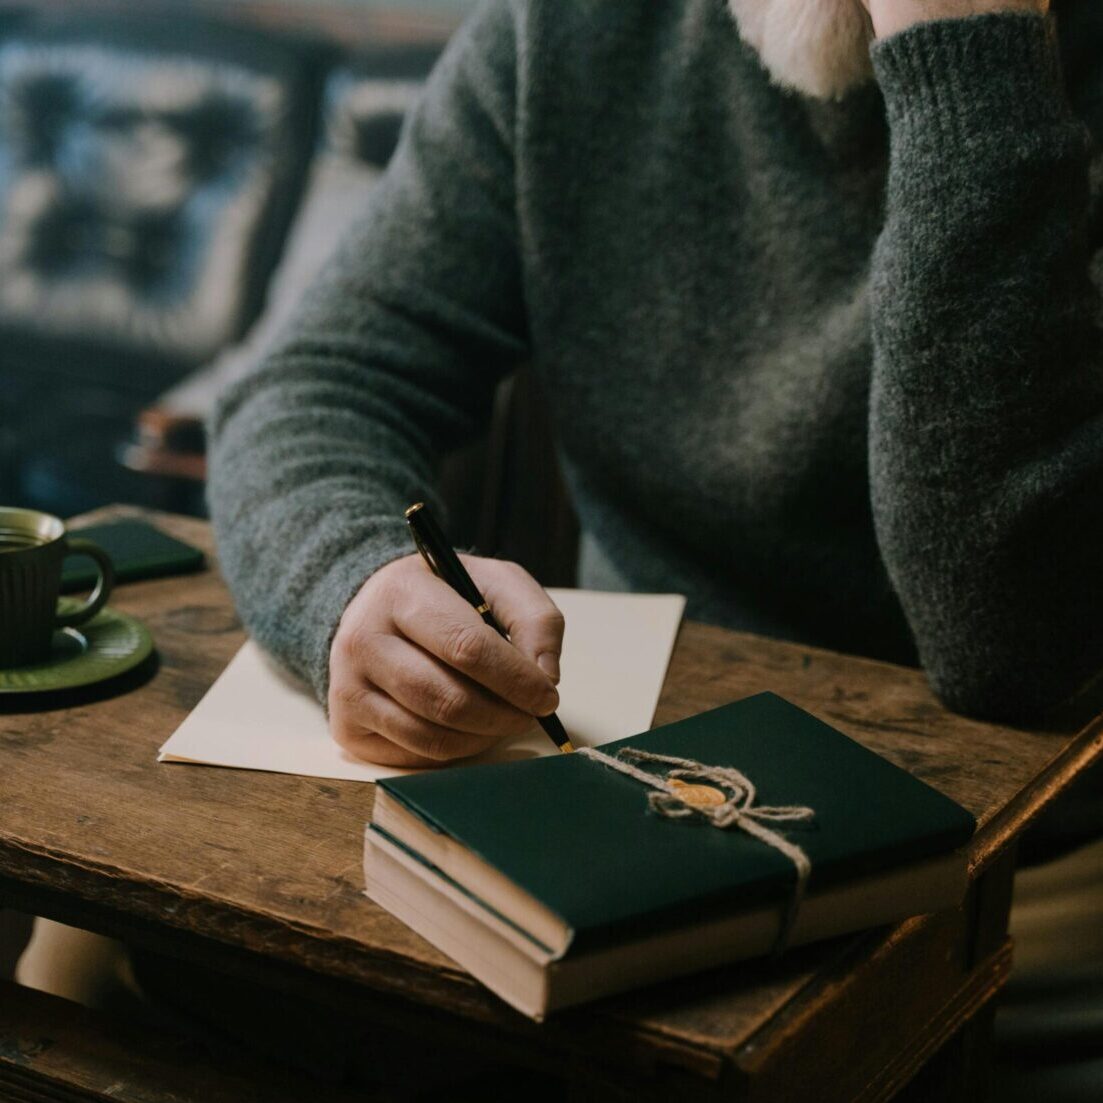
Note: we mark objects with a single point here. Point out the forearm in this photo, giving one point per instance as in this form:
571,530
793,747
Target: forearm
391,361
310,470
985,434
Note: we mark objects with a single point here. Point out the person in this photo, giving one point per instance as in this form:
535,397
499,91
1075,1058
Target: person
816,327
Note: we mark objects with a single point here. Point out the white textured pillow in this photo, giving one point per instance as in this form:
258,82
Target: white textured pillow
819,47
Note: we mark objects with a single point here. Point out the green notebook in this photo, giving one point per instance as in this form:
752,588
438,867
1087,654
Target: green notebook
137,550
558,860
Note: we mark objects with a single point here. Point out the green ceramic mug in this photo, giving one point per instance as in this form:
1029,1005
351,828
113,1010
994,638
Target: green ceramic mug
33,546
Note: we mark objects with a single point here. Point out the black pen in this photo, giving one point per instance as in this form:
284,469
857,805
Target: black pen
446,565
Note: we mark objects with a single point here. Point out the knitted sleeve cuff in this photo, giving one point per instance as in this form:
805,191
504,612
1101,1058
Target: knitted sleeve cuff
966,81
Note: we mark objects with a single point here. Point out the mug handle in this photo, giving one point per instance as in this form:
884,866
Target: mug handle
97,599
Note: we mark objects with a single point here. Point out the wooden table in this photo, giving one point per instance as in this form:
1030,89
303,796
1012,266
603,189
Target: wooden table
260,876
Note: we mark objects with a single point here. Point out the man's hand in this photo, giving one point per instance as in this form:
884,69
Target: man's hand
890,16
417,678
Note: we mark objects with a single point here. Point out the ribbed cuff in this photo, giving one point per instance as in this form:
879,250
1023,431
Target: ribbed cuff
965,78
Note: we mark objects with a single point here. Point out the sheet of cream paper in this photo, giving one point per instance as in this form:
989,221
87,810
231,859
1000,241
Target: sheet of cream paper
615,654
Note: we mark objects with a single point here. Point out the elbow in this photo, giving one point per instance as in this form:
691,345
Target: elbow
987,699
1020,693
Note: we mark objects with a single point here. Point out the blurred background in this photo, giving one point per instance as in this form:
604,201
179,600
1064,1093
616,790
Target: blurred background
172,174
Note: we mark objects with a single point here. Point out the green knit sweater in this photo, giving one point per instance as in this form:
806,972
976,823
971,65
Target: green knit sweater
829,369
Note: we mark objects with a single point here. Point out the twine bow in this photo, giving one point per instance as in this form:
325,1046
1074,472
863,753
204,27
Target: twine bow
671,798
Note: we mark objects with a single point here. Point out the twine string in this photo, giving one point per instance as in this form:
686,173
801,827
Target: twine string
737,811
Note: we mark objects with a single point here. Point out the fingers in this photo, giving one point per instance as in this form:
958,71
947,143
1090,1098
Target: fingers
361,714
379,750
440,621
417,677
429,689
523,608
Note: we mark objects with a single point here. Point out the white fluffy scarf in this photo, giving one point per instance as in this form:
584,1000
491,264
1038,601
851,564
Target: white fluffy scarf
819,47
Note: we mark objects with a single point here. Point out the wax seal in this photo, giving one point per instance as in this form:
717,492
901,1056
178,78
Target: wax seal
698,796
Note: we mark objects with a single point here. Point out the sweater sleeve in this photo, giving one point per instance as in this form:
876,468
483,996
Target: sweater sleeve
391,360
986,409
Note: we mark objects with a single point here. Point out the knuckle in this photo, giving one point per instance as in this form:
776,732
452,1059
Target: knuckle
413,688
418,739
449,705
465,645
357,643
347,695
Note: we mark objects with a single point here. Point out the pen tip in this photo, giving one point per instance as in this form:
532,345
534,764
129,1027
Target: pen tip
566,746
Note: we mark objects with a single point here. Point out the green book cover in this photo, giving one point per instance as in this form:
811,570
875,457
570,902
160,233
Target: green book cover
137,550
579,837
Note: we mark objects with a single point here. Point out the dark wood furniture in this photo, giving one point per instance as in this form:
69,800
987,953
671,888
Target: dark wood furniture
346,25
259,876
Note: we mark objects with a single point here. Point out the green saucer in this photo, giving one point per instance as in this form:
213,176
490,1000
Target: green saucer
108,645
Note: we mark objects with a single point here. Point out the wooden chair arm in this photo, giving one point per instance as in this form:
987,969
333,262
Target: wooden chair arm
167,443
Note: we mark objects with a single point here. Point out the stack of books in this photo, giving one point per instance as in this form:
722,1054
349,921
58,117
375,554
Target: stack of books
554,883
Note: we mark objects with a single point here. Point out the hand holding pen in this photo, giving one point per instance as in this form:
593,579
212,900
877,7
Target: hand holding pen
417,678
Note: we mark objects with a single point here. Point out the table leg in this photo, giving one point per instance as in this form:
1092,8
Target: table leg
961,1069
960,1072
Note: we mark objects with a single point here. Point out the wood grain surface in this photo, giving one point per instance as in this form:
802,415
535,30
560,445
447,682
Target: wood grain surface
265,869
